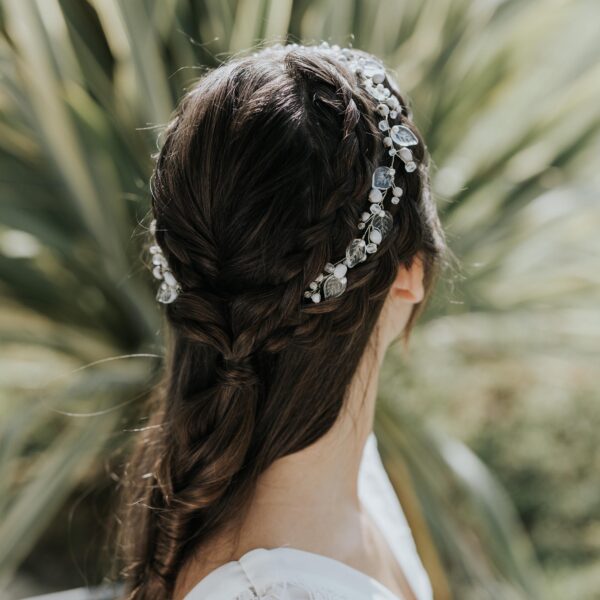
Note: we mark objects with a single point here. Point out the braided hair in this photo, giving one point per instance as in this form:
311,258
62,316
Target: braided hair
261,177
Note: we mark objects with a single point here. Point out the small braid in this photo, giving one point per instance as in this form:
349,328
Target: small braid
261,177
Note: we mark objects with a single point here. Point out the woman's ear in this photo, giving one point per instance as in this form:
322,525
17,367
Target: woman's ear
408,285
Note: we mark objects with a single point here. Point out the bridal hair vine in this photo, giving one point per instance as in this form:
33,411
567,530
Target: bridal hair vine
376,222
169,289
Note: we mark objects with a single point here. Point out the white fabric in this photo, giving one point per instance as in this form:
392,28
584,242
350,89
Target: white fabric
285,573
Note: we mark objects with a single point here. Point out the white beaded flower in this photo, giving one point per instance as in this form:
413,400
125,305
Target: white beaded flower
376,222
169,288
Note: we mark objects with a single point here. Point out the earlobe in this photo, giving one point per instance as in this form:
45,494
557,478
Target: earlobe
408,285
408,296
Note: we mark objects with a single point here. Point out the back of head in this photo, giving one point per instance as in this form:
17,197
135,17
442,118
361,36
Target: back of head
261,178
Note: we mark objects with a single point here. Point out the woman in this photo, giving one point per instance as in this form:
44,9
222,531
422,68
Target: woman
295,239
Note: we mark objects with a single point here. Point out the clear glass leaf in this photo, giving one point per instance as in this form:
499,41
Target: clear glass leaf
383,178
334,287
403,136
356,252
383,222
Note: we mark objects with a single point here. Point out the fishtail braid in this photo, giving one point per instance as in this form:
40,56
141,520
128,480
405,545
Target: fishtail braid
261,177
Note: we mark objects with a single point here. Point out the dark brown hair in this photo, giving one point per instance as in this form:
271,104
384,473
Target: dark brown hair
261,178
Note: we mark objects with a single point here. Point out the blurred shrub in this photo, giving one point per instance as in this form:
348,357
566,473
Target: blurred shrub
505,92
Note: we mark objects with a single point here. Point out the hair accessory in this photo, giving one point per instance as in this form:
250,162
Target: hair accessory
376,222
169,288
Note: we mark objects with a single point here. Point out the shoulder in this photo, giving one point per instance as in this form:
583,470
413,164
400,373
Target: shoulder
273,588
290,590
279,574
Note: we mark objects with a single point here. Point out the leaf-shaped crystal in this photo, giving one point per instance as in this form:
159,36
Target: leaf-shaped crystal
403,136
383,222
371,67
169,278
159,259
356,252
334,287
166,294
376,93
383,178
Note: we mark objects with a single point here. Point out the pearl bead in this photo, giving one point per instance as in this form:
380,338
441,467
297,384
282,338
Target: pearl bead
316,297
340,270
375,236
405,154
395,199
383,109
375,195
410,167
397,191
387,141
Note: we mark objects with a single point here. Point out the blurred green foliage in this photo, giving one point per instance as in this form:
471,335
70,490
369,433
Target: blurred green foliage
505,93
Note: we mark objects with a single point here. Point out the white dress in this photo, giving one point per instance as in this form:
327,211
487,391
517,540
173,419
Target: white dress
285,573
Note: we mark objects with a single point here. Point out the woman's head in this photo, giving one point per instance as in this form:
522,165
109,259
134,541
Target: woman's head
261,178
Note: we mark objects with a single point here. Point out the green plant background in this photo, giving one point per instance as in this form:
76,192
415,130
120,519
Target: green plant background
502,370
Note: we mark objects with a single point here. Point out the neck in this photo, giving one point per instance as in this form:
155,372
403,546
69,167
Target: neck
316,489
